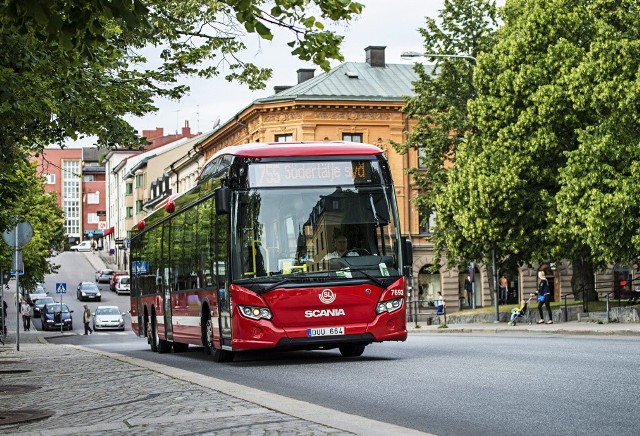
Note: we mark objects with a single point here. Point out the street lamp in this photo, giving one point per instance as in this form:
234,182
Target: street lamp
408,55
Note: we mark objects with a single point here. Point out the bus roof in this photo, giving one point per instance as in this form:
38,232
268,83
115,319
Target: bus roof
293,149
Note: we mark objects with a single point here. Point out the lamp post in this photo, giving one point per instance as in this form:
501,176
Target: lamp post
408,55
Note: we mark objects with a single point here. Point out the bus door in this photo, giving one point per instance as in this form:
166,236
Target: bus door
224,318
168,283
166,306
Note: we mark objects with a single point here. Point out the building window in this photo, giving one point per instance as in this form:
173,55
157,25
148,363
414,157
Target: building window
139,180
421,155
93,198
128,190
352,137
92,218
88,178
50,179
284,138
71,197
138,205
129,212
428,225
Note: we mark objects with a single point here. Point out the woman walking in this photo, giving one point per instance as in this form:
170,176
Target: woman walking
544,298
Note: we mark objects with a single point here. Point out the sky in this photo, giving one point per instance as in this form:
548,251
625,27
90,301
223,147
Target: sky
382,23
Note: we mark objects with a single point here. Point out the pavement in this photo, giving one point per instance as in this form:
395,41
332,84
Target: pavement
48,389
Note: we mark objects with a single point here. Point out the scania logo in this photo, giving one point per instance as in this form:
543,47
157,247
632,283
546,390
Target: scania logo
324,312
327,296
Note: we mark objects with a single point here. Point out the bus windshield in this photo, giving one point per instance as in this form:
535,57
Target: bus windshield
344,231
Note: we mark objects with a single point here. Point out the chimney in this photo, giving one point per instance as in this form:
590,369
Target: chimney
186,130
305,74
279,89
375,55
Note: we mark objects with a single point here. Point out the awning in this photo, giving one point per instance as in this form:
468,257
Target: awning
108,231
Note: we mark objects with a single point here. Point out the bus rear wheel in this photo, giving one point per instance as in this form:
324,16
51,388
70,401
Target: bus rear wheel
351,350
162,345
152,336
217,354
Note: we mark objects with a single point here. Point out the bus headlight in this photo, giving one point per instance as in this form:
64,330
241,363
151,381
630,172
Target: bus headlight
389,306
255,312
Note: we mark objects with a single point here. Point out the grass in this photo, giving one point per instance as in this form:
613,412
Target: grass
594,306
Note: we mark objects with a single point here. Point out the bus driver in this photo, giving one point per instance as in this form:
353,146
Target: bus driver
340,244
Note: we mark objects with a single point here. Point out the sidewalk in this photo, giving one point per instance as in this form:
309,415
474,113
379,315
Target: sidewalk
571,327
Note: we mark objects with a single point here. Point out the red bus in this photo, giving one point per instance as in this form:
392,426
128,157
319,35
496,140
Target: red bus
246,259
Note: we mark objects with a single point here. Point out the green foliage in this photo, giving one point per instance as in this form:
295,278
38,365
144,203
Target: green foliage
549,168
466,27
41,210
70,69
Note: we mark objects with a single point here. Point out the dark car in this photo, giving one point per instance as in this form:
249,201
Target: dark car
56,315
88,291
39,303
104,276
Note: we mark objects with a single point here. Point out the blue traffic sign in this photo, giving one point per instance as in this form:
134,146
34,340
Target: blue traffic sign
61,288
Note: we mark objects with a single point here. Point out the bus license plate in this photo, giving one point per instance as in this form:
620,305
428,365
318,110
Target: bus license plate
326,331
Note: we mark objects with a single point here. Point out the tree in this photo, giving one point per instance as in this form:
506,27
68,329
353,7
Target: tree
557,138
41,210
73,68
440,106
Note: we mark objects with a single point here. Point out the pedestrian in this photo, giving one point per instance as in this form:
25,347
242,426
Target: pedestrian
544,298
504,288
4,317
93,246
440,304
25,311
86,318
468,287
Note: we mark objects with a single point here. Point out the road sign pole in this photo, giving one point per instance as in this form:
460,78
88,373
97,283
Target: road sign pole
15,248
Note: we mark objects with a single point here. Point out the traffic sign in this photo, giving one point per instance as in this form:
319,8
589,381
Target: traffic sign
19,236
61,288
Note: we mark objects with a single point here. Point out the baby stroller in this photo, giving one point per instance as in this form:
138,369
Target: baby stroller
522,313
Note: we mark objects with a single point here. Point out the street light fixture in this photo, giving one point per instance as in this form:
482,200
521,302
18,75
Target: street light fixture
408,55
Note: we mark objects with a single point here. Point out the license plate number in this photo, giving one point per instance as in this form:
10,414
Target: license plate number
326,331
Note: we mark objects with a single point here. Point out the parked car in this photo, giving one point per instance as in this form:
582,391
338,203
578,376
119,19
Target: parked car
116,274
82,246
123,285
88,291
104,276
108,317
39,303
38,292
48,316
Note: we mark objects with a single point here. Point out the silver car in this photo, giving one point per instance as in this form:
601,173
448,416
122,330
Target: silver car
108,317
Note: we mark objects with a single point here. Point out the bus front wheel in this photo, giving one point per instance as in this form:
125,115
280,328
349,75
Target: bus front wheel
217,354
351,350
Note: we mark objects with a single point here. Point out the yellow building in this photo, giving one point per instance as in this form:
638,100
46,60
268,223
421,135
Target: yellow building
361,102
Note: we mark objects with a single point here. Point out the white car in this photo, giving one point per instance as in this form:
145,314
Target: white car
123,285
108,317
83,246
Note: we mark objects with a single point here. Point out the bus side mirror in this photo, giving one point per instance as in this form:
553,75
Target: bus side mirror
223,200
407,256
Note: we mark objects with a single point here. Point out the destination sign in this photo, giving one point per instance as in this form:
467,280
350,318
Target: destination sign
310,173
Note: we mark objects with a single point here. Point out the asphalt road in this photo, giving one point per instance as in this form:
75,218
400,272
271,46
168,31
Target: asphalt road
74,268
453,384
444,384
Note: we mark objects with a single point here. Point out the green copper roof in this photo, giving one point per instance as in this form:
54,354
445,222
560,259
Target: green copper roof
353,81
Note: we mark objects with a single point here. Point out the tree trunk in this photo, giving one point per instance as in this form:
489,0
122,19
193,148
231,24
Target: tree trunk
582,280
